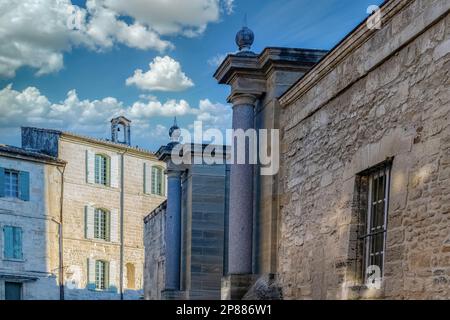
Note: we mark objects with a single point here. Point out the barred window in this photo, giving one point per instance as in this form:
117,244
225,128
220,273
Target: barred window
101,230
378,181
101,275
101,169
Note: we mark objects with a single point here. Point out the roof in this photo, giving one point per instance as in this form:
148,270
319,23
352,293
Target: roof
160,209
30,155
104,142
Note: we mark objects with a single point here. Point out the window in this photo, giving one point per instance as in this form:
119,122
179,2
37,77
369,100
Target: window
378,181
11,184
12,243
157,181
13,291
101,275
101,224
101,169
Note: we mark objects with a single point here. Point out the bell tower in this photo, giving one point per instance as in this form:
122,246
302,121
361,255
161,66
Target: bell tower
121,130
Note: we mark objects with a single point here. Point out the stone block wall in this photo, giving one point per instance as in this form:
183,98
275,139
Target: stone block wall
78,193
388,97
38,219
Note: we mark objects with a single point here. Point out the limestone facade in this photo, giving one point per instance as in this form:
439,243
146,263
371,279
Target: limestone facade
387,97
380,100
32,270
126,197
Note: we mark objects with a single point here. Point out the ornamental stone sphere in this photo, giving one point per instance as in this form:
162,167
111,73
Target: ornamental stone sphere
244,39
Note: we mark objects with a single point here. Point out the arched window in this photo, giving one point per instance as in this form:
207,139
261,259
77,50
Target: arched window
101,225
130,276
102,170
157,181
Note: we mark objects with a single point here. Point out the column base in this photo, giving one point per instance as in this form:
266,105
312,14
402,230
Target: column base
173,295
235,286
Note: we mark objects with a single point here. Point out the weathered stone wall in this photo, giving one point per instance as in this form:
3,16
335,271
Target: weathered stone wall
154,271
38,219
78,193
389,97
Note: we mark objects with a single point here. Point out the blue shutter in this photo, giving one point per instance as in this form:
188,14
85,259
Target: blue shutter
18,243
24,186
8,240
2,182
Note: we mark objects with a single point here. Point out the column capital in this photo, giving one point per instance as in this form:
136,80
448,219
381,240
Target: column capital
238,98
173,173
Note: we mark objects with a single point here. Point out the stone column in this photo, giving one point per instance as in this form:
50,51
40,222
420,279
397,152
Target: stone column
173,230
241,193
240,232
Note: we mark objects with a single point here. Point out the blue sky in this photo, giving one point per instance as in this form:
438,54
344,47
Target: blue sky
96,69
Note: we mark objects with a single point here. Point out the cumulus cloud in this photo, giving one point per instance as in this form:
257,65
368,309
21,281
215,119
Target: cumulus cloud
30,107
164,74
36,33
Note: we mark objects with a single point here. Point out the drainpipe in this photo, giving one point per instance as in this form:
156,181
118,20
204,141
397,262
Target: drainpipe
122,205
60,226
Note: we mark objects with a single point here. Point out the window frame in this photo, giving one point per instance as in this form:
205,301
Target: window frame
160,181
100,175
102,220
104,276
369,233
11,172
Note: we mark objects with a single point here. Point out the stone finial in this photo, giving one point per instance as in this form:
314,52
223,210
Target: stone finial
174,132
245,38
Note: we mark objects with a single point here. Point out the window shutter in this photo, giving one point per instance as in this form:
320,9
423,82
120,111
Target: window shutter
114,174
17,243
24,186
91,274
2,182
114,226
90,166
145,178
8,240
89,222
112,276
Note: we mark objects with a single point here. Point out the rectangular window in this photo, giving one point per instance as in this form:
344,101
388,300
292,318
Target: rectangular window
157,181
101,275
101,224
13,291
11,184
378,182
101,170
12,238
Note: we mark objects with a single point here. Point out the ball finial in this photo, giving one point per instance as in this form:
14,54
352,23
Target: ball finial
245,37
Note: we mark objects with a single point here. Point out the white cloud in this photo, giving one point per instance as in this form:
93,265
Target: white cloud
36,33
217,59
164,74
30,108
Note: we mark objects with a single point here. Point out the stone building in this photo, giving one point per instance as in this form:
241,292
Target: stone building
109,186
30,216
361,205
185,236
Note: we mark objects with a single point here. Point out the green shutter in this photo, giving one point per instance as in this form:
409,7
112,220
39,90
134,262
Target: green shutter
24,186
145,178
8,240
2,182
18,243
